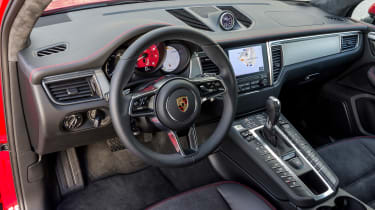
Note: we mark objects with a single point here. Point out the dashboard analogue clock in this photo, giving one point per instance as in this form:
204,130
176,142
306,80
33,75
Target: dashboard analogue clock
227,20
176,58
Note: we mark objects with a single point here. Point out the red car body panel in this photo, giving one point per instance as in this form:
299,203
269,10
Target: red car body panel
55,5
8,198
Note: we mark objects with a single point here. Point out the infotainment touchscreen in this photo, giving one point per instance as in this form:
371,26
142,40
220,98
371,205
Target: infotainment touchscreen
246,60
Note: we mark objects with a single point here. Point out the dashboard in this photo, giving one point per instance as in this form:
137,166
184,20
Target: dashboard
66,70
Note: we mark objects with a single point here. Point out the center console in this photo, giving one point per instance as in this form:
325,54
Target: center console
292,159
266,149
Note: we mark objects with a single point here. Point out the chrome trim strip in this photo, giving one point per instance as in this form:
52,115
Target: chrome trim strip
282,41
300,154
270,62
279,160
371,36
291,172
102,84
356,46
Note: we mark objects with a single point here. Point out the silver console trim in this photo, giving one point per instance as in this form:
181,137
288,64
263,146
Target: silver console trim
329,192
282,163
280,42
300,154
270,62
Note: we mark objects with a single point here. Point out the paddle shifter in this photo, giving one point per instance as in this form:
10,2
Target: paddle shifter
273,111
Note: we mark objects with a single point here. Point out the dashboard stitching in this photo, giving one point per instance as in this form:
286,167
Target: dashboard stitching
170,7
289,32
166,24
96,52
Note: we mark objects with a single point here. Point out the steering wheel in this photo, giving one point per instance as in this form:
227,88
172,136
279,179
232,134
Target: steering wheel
172,103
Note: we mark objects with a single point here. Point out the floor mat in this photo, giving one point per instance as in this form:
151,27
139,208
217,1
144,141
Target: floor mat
132,191
98,161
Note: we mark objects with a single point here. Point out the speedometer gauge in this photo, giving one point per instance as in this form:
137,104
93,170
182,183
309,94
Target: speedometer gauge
176,58
172,59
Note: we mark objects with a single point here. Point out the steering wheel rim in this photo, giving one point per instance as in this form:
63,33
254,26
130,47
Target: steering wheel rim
120,103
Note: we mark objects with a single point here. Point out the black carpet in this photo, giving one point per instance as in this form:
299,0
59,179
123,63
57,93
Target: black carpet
141,189
132,191
193,176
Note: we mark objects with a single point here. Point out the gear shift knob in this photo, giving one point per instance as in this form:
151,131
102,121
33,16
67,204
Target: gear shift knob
273,111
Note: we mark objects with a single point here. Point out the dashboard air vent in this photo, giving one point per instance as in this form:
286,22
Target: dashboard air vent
51,50
72,90
189,19
239,16
276,61
208,66
335,18
349,42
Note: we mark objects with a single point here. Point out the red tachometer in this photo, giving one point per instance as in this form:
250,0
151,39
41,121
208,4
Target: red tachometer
149,59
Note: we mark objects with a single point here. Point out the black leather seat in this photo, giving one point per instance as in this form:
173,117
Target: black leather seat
218,196
353,161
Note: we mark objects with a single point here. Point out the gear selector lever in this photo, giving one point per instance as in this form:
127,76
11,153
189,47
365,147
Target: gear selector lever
273,111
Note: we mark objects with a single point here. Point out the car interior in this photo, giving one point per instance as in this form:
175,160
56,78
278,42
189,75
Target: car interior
212,104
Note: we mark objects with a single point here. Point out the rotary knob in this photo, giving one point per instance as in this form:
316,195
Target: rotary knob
99,117
73,121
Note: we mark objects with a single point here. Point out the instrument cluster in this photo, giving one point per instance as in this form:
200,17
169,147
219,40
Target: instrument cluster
157,59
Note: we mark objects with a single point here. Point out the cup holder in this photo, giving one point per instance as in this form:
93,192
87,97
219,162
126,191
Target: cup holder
344,203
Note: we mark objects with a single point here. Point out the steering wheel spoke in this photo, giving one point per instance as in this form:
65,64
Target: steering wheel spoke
175,140
210,86
193,139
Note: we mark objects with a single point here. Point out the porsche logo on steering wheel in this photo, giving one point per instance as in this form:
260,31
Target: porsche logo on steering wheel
182,103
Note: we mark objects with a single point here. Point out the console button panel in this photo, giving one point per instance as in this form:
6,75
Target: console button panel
287,166
310,154
252,83
278,167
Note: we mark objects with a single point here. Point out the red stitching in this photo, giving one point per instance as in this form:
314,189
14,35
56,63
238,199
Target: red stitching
258,195
210,185
286,33
96,52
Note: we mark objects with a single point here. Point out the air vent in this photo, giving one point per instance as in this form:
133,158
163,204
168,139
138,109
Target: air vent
71,91
239,16
298,3
208,66
51,50
335,18
189,19
349,42
276,61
